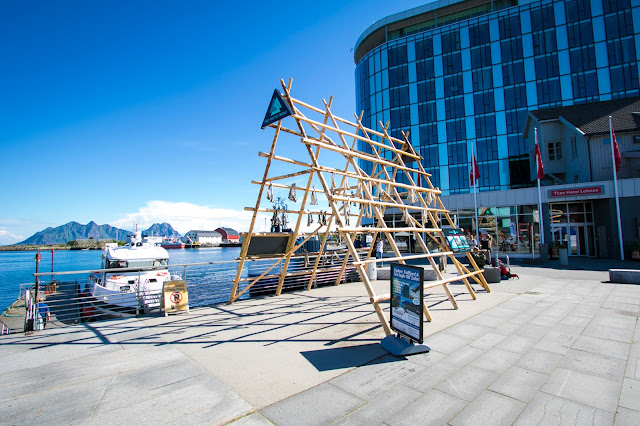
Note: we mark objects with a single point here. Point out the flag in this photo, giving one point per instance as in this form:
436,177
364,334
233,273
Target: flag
474,173
538,158
616,151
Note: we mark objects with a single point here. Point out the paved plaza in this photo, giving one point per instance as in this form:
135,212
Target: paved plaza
558,346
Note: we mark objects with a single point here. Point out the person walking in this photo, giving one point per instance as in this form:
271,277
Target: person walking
379,246
43,314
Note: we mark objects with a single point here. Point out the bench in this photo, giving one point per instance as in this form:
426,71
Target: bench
624,276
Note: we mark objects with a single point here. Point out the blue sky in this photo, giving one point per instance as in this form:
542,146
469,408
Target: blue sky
116,111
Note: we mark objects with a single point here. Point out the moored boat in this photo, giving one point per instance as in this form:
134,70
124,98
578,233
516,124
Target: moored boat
172,244
145,268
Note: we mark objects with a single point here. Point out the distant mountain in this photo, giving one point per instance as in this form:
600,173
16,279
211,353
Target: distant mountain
161,230
74,231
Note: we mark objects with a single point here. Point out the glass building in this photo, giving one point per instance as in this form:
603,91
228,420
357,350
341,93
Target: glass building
464,75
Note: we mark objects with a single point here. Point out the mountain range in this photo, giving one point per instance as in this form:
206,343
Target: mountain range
75,231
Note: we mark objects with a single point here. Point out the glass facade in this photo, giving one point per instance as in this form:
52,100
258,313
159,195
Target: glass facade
469,84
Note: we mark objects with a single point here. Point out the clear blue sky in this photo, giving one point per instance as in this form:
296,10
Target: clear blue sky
150,110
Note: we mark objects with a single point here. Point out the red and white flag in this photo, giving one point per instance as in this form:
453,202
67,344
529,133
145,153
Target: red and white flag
538,158
616,151
474,173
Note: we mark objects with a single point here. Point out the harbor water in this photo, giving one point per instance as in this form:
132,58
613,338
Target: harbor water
17,267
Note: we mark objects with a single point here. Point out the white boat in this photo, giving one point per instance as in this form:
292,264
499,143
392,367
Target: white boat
132,289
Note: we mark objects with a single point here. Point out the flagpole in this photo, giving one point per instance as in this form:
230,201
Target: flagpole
475,190
540,215
615,187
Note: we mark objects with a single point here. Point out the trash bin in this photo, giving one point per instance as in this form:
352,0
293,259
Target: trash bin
372,272
563,255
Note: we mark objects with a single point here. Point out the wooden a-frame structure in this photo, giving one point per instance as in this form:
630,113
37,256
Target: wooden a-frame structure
380,172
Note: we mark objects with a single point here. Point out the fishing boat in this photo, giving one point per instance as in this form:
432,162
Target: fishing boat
172,243
145,268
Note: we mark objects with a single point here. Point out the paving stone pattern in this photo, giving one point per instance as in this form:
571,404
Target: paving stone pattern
562,353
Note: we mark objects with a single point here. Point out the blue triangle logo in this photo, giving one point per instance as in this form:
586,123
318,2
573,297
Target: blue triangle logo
278,109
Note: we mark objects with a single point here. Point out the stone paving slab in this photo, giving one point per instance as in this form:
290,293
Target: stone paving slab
558,346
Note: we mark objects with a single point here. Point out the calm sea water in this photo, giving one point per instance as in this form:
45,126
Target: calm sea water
206,282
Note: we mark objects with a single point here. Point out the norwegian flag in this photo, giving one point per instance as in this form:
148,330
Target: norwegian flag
474,173
616,151
538,158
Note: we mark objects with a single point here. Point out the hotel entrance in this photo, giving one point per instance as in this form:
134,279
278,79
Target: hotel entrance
572,225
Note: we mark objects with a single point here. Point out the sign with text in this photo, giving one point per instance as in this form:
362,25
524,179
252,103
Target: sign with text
575,191
406,300
457,241
278,109
175,296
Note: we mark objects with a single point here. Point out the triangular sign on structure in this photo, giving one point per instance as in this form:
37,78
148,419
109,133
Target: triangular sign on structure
278,109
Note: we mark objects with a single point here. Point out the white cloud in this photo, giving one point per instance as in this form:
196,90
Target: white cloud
7,237
184,217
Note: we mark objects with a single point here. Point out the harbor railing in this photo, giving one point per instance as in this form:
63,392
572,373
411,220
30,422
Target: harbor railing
69,299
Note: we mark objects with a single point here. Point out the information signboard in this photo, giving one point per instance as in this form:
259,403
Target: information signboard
175,297
406,300
457,241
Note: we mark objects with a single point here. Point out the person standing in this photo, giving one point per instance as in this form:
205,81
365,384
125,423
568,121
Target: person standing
379,245
43,314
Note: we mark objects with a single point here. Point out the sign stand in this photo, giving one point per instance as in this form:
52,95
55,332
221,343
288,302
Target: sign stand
399,346
407,305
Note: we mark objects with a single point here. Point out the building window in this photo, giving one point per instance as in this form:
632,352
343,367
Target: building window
450,41
619,24
427,91
453,85
515,96
429,134
400,117
544,42
555,150
452,63
549,92
624,78
399,96
578,10
398,76
424,48
483,102
509,26
542,18
481,56
583,58
513,73
425,70
397,55
427,112
580,33
511,49
482,79
547,66
621,51
585,85
614,5
454,107
485,125
479,34
456,130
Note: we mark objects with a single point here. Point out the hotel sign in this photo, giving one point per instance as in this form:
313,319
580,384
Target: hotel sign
569,192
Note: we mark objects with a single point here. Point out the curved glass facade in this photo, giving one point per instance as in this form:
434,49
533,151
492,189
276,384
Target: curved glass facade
472,82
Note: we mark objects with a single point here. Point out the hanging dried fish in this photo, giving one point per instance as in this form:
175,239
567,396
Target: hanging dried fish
429,197
347,215
292,193
314,198
333,183
320,218
309,219
285,220
412,195
353,195
324,218
270,192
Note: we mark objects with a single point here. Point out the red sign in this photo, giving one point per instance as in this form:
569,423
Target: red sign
576,191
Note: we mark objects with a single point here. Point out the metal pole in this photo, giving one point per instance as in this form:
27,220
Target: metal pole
615,188
475,198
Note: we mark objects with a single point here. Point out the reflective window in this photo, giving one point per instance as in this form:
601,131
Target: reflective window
400,117
487,148
619,24
450,41
454,107
585,84
483,102
614,5
580,33
549,91
452,63
542,18
398,76
481,56
544,41
515,121
457,153
485,125
424,48
482,79
427,112
399,96
515,96
430,156
427,91
511,49
621,51
513,73
624,78
397,55
577,10
479,34
456,130
509,26
453,85
583,59
547,66
516,145
425,70
429,134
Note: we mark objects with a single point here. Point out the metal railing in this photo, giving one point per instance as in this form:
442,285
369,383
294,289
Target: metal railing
68,296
